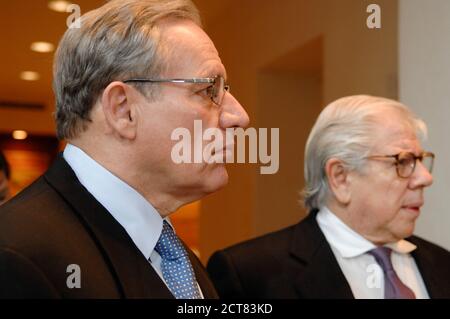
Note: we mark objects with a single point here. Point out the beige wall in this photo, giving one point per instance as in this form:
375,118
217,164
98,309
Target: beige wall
254,38
424,79
278,195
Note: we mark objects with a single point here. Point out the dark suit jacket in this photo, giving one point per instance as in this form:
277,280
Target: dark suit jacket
297,262
56,222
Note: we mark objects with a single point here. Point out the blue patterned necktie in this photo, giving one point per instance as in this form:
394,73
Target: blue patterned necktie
175,265
394,288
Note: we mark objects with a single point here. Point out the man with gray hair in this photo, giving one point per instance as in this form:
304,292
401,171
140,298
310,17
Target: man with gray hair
96,224
365,174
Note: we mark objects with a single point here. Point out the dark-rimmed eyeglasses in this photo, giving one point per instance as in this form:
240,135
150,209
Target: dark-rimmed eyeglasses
405,162
216,91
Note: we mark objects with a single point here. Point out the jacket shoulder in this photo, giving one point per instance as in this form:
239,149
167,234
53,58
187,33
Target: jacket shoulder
21,278
425,244
32,214
431,255
41,236
268,244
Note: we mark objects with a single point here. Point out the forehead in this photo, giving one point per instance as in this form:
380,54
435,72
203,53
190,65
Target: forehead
394,133
191,53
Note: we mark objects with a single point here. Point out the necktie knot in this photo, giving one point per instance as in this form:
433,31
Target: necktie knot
394,288
176,267
383,257
169,246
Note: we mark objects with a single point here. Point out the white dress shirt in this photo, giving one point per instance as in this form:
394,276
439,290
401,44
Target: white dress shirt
128,207
364,275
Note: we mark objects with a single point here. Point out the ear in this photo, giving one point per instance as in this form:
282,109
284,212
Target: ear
338,180
120,113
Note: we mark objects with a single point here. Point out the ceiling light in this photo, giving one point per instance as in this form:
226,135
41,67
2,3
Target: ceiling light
42,47
29,76
19,134
59,5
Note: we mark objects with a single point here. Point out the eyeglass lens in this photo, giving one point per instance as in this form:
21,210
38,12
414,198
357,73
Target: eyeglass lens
407,163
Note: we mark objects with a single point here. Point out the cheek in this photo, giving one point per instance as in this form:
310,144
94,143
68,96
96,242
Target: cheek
380,196
196,118
159,127
396,191
183,118
390,199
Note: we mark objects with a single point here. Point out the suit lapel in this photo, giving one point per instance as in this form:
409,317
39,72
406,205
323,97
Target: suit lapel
208,290
317,272
134,276
424,260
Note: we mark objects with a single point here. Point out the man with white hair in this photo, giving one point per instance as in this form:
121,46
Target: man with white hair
96,224
365,174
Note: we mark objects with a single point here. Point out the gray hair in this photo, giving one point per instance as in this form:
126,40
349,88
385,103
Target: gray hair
115,41
345,130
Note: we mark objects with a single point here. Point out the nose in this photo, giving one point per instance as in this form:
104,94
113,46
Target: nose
421,176
232,113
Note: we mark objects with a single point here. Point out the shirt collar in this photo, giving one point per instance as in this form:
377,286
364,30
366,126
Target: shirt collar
348,242
134,213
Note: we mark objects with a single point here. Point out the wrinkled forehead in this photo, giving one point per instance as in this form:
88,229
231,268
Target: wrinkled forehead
188,49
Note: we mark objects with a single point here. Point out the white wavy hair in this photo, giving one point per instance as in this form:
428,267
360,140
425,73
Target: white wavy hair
345,130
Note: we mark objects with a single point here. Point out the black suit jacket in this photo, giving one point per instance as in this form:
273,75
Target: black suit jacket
297,262
56,222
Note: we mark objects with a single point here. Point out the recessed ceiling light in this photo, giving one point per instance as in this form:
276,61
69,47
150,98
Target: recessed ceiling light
43,47
29,76
19,134
59,5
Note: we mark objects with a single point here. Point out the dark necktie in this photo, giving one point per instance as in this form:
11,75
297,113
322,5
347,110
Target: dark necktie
176,266
394,288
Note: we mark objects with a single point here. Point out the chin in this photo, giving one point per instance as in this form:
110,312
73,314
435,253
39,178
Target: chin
406,232
216,180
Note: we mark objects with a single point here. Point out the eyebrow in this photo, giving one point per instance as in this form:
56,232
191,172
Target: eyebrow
214,71
410,150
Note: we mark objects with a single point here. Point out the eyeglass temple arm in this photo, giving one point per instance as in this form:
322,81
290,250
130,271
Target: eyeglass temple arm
193,80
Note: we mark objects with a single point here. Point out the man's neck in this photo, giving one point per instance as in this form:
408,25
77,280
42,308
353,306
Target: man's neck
350,218
164,202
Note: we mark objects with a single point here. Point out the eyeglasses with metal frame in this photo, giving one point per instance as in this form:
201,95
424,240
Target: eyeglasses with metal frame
216,91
